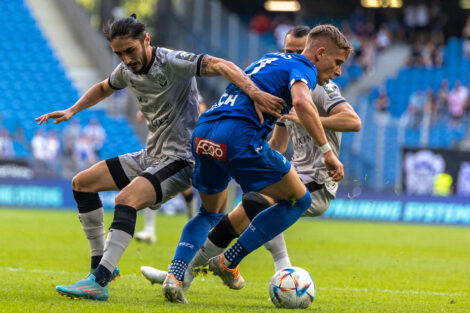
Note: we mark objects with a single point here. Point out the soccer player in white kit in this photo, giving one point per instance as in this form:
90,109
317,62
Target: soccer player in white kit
164,84
337,116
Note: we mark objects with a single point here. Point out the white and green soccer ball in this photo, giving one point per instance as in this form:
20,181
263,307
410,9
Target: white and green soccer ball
292,288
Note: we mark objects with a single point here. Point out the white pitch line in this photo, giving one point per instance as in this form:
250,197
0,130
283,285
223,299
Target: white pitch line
415,292
19,269
347,289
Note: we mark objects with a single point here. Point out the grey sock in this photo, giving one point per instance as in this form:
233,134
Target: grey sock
207,251
277,247
93,226
116,243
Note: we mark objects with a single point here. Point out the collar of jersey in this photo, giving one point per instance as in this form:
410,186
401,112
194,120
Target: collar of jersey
147,69
308,61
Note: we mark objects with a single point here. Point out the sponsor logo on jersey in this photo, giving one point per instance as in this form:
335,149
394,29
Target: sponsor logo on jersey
186,56
331,89
207,147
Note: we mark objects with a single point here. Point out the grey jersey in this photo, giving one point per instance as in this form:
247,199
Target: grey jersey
167,95
307,158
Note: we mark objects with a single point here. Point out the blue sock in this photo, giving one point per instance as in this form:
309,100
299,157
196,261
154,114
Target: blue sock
265,226
193,237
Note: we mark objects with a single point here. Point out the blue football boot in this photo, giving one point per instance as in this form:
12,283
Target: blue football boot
86,288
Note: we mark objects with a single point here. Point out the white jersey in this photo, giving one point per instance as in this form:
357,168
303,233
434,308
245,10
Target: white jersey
307,158
167,95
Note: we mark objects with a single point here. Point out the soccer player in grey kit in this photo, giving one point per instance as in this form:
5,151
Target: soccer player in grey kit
337,116
164,84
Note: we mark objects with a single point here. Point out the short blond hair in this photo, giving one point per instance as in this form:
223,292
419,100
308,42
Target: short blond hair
334,34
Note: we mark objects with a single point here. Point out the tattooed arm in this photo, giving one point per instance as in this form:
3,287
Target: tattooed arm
263,102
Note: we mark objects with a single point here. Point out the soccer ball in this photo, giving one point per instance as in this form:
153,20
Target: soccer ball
292,288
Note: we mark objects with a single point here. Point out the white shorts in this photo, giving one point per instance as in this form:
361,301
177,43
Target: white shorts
168,175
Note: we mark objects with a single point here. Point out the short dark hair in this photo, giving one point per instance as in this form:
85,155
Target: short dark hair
334,34
299,31
125,27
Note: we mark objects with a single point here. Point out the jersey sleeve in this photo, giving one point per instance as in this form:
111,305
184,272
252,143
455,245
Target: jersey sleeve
304,73
117,79
184,64
332,96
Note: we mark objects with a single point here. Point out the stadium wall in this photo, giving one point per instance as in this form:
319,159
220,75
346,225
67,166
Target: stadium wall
57,194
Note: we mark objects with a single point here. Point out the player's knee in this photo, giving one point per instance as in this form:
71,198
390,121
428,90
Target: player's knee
304,202
77,183
124,219
253,204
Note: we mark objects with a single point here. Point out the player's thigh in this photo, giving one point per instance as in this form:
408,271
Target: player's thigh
214,203
321,200
289,187
139,194
168,178
94,179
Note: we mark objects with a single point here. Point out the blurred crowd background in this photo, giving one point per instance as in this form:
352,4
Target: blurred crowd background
408,81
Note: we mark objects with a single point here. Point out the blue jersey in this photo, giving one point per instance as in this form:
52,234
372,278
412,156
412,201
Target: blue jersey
274,73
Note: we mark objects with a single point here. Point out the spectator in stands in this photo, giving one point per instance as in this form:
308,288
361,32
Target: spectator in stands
383,101
383,38
96,133
466,39
281,30
442,96
415,108
456,103
430,105
70,136
84,153
261,23
38,147
52,153
20,137
6,145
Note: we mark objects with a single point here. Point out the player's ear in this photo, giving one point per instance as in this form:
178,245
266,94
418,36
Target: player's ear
320,52
147,38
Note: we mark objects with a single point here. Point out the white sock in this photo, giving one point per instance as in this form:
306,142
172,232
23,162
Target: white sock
149,220
116,243
277,247
93,226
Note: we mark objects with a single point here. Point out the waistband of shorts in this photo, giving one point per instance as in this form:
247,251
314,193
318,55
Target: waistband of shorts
313,186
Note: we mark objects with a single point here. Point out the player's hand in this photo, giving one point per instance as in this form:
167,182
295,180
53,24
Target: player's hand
292,116
334,166
58,116
267,103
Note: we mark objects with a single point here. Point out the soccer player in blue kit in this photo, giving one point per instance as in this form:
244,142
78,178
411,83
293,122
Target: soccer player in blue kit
230,142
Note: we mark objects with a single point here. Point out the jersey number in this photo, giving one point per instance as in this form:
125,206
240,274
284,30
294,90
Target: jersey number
261,64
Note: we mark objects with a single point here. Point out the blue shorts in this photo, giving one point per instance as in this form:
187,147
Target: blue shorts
234,148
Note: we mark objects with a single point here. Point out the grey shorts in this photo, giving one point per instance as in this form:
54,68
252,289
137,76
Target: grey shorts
321,199
168,175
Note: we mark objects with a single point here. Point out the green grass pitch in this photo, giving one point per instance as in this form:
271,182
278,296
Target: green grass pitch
357,267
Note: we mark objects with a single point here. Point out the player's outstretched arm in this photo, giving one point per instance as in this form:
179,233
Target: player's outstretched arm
280,139
310,120
94,95
343,118
263,101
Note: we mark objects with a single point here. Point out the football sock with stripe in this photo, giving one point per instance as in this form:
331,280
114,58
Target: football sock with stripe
265,226
194,234
91,216
278,249
119,237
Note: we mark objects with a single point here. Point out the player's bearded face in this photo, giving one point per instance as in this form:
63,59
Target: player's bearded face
132,52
